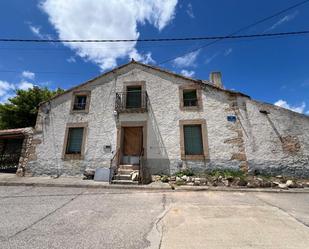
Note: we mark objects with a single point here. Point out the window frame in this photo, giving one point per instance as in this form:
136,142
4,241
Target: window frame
141,84
81,93
192,86
79,156
202,123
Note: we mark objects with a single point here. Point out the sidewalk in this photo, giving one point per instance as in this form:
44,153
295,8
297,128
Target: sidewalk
78,182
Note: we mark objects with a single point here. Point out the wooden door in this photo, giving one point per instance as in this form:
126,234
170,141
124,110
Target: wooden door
132,141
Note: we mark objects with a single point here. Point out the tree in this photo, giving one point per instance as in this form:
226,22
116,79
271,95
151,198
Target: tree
22,110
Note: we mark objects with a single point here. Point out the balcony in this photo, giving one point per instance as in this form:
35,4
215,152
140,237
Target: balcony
131,101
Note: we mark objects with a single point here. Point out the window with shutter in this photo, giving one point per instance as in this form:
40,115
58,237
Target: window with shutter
80,102
189,97
75,140
193,140
134,97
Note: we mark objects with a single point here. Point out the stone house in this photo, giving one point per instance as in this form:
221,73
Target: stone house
140,117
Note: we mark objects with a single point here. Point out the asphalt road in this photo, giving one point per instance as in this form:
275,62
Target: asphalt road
33,217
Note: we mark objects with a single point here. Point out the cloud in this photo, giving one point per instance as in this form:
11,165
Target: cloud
190,11
283,20
113,19
284,104
211,58
186,60
228,51
5,87
36,30
71,59
187,73
24,85
28,75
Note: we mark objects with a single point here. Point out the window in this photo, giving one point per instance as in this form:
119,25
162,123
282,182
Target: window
80,102
74,141
134,97
189,97
193,139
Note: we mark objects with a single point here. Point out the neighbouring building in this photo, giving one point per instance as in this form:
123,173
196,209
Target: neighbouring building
140,117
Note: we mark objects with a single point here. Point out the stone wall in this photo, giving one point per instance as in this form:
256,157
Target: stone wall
235,145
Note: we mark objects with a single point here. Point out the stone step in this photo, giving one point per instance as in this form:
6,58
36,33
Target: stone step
122,177
125,182
125,171
129,166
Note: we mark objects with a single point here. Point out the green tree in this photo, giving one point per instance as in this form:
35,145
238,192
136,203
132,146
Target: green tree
22,110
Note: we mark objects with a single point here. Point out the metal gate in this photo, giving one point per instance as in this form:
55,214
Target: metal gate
10,151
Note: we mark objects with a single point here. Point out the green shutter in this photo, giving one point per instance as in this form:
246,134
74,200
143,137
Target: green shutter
75,139
134,97
189,98
193,140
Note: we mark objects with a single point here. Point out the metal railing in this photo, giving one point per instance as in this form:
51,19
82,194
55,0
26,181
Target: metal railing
114,163
141,167
190,102
131,101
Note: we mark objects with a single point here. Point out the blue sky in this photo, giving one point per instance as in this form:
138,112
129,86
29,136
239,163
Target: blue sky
270,70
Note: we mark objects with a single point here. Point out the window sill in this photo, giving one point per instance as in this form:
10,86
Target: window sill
79,111
73,157
191,108
193,157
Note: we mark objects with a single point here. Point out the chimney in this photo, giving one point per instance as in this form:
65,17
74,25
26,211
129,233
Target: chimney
216,79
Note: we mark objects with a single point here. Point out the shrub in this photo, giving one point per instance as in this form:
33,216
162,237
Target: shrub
185,172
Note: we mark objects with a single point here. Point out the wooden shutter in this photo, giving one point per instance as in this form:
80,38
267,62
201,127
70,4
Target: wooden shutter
193,140
75,139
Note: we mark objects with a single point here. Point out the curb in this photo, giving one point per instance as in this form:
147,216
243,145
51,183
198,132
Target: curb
156,188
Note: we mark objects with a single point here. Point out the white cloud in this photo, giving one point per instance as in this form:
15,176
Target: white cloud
190,10
71,59
36,30
113,19
24,85
28,75
228,51
283,20
211,58
186,60
187,73
5,87
284,104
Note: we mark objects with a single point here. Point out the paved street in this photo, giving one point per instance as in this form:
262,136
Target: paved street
42,217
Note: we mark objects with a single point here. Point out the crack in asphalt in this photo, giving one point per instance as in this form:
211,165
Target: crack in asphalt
283,210
45,216
156,227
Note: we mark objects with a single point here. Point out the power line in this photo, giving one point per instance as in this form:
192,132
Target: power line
162,39
238,31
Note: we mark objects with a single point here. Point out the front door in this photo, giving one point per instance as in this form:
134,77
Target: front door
132,141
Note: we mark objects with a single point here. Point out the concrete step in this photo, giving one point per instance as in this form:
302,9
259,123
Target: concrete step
122,177
125,182
124,171
129,166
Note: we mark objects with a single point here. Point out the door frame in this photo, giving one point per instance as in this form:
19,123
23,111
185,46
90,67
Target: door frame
120,134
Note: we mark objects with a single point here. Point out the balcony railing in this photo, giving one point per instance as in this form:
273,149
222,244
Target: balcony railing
131,101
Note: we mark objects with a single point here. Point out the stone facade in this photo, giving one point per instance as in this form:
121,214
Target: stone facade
275,142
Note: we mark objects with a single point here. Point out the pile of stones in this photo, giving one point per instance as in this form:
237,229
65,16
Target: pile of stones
233,181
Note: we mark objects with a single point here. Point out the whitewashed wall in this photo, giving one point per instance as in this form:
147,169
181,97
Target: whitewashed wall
230,144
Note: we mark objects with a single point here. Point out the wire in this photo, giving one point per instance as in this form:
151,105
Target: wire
238,31
163,39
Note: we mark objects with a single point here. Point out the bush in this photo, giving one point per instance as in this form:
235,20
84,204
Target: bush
227,173
185,172
164,178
